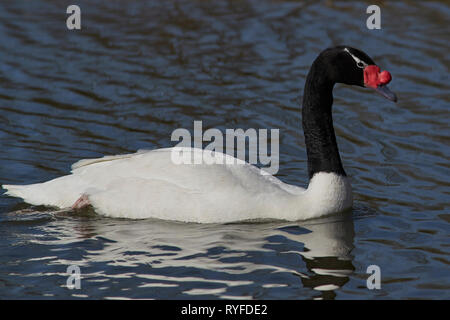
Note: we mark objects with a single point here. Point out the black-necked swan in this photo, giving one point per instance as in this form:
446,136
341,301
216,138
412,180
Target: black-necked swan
148,184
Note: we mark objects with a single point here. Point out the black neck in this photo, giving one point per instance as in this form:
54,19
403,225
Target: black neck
320,140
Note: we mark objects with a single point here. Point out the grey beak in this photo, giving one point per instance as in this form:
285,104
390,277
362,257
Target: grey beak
385,92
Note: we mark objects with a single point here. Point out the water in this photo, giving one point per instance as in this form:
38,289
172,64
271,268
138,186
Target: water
140,69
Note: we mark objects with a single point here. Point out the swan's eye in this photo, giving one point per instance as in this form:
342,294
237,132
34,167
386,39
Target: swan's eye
360,64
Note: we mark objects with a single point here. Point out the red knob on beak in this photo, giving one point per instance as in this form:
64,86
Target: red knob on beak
384,77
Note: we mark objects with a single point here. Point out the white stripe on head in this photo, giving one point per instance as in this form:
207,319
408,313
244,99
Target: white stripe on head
361,64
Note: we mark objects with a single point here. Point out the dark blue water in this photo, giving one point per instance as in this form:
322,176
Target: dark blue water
137,70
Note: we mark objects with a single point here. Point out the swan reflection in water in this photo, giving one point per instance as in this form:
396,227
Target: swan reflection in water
328,254
161,259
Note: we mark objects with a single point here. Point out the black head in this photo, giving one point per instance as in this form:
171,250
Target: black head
344,64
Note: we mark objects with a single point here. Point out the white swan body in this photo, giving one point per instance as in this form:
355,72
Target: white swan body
148,184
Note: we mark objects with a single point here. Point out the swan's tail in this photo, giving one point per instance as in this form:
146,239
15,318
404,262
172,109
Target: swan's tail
29,193
56,193
13,190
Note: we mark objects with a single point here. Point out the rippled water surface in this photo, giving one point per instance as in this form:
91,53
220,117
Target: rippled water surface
137,70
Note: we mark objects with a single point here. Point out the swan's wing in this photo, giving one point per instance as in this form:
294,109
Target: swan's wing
87,162
224,174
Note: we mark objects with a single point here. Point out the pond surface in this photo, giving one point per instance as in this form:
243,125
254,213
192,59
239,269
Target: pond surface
137,70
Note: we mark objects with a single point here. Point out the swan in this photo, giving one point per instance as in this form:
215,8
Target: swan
148,184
